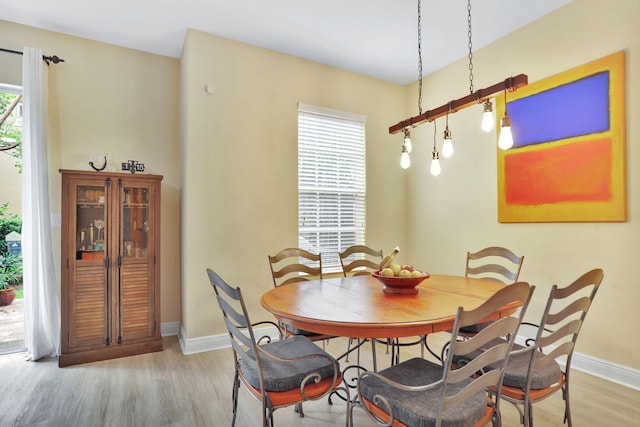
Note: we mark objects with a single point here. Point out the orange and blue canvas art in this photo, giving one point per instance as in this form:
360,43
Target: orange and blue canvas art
568,159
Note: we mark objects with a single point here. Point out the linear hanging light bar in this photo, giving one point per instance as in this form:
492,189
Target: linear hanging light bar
479,96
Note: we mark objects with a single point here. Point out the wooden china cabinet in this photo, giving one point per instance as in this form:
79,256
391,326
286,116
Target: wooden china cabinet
110,265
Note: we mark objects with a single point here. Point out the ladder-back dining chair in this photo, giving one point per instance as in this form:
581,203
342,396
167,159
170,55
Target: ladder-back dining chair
277,374
359,260
293,265
495,263
542,366
418,392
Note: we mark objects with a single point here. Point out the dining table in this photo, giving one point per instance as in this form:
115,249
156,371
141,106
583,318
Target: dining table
357,307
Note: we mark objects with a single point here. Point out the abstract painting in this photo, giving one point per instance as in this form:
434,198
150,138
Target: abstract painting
567,163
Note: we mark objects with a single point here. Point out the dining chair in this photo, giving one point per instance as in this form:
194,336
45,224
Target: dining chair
419,392
295,265
359,260
279,373
292,265
541,367
493,263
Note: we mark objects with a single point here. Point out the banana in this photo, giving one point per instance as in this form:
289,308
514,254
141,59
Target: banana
388,260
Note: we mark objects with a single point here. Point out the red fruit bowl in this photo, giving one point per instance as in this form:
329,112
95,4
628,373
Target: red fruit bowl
400,285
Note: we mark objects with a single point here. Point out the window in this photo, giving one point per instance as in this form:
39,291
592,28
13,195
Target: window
331,182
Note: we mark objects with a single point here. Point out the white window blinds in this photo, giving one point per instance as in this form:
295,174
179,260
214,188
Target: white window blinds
331,182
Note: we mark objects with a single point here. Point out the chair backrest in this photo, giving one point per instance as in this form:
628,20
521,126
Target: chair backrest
495,341
295,265
236,319
561,322
495,263
359,260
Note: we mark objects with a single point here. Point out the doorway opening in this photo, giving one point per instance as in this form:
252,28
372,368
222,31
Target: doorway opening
11,288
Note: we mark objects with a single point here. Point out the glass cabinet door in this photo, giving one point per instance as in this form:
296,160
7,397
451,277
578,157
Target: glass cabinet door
90,222
135,227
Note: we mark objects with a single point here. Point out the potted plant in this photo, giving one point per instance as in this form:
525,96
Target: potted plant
10,275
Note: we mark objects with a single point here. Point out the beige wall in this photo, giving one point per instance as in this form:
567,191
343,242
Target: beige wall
457,211
107,99
239,170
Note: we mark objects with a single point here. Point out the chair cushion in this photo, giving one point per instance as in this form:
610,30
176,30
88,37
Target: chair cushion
516,373
474,329
283,376
419,409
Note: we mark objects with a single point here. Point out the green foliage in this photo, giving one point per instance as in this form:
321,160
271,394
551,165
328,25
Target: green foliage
10,129
10,270
8,223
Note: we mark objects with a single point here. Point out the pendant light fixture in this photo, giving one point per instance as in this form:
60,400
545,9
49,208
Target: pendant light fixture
435,157
505,141
480,96
407,141
447,143
407,146
405,160
488,118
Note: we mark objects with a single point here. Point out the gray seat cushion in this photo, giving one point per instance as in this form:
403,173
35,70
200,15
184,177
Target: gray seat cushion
474,329
283,376
516,373
418,409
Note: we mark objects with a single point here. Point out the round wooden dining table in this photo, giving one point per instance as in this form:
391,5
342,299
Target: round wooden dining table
357,307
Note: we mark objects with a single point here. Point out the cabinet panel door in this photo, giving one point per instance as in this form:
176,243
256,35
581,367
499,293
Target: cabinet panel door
137,302
88,315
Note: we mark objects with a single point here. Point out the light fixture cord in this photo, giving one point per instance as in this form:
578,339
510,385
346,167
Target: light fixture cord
419,59
470,47
435,132
505,101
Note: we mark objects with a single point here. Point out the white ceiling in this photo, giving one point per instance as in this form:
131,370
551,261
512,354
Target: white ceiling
377,38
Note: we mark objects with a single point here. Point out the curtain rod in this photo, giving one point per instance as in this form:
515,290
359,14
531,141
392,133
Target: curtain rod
53,58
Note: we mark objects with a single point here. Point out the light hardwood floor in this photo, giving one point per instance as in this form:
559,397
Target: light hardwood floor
171,389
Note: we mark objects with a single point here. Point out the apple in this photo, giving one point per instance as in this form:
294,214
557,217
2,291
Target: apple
408,267
387,272
404,273
416,273
396,268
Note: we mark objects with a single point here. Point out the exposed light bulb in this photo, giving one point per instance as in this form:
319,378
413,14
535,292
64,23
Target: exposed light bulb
488,118
405,160
447,145
435,164
505,141
407,141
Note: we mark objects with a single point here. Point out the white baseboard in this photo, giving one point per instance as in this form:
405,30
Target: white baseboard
219,341
168,329
609,371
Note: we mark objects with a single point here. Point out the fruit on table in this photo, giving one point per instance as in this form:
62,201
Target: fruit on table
396,269
393,269
387,272
388,260
404,273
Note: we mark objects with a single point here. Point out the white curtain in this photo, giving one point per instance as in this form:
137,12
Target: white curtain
41,290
